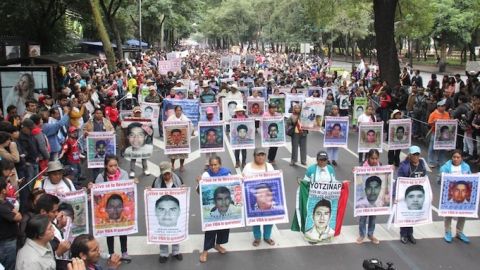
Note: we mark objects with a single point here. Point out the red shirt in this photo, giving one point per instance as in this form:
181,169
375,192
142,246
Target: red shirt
112,114
385,101
72,151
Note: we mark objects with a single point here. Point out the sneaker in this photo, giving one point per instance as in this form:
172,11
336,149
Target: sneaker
179,256
162,259
132,174
463,238
432,165
448,237
404,239
146,172
412,239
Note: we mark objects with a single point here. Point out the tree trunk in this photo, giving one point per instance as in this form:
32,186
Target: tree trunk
384,12
442,64
118,39
102,33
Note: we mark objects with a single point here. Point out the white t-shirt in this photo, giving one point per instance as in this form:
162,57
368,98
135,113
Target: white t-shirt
249,170
456,169
363,118
61,187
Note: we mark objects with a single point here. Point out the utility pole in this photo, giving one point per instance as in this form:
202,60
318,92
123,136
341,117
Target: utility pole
140,24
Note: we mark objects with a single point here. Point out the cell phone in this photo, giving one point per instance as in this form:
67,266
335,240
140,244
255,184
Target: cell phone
125,260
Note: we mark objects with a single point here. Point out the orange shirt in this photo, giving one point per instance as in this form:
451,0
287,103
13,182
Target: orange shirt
436,115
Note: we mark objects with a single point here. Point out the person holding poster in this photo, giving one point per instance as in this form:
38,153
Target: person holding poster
178,116
394,155
154,97
298,134
168,179
459,192
436,157
320,172
216,238
272,111
367,117
242,132
414,167
114,205
138,136
55,182
259,165
335,134
373,160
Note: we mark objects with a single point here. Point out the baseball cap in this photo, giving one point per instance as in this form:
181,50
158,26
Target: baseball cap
322,155
414,150
259,150
165,167
442,102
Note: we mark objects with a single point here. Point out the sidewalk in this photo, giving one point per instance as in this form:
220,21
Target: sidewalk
450,70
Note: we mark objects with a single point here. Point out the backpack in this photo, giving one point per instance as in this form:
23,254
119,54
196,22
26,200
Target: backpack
64,180
419,108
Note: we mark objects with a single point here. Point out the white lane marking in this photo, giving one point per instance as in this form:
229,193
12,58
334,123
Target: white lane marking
242,241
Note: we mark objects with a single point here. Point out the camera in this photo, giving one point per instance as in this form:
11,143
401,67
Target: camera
376,264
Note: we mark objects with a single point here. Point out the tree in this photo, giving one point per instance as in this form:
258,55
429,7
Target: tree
102,32
384,12
110,9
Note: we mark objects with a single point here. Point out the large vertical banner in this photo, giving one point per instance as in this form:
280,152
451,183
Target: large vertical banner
312,114
114,208
459,195
373,190
151,111
445,134
359,107
273,131
242,133
99,144
139,135
322,207
79,218
221,201
265,198
211,137
336,131
225,62
414,207
370,136
167,211
177,137
399,133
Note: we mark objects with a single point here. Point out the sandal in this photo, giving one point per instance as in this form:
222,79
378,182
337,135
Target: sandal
256,242
220,249
270,241
203,257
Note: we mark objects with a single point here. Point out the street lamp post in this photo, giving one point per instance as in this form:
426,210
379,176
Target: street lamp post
140,24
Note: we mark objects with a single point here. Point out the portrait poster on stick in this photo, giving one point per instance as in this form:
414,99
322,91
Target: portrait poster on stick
336,131
255,107
114,208
139,135
99,144
273,131
414,207
177,137
359,107
211,137
293,99
312,114
151,111
228,107
242,133
265,199
373,190
459,195
278,100
166,214
79,202
399,133
212,106
445,134
221,201
370,136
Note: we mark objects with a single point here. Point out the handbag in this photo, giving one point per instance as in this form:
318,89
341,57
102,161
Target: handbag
291,131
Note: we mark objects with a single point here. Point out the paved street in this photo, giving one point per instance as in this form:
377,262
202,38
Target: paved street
291,251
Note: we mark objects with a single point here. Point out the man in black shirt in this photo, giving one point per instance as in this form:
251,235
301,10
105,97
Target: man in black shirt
9,217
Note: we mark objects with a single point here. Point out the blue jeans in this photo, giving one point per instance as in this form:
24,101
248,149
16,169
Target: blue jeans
267,231
362,225
332,153
8,253
436,157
